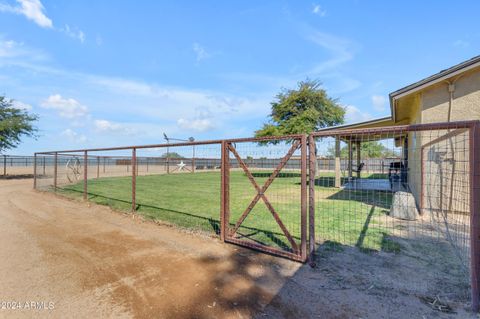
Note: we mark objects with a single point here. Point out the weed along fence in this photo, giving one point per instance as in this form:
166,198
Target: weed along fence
299,196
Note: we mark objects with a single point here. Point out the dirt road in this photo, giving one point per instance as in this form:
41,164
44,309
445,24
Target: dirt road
86,261
92,262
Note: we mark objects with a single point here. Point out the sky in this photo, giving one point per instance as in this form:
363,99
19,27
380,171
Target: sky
111,73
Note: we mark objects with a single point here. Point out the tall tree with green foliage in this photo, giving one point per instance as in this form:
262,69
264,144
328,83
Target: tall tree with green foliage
14,124
302,110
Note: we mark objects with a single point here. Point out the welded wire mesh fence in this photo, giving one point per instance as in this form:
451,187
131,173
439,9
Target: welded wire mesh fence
422,196
407,191
266,183
419,206
186,190
171,183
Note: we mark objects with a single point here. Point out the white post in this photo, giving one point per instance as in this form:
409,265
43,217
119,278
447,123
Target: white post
350,160
337,162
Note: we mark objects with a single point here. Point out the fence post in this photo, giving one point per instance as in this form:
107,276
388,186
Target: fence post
98,166
35,171
193,160
44,165
224,193
55,159
4,165
85,175
311,197
303,197
474,216
168,159
134,179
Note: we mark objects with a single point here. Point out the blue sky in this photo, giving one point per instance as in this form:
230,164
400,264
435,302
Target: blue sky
105,73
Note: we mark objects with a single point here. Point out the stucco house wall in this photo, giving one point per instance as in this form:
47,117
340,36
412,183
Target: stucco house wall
445,163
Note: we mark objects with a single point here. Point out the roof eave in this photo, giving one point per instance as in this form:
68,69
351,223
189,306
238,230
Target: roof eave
431,80
343,126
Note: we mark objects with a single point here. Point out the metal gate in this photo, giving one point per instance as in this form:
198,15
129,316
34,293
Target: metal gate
291,223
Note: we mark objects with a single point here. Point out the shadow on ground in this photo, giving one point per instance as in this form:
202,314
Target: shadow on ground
17,176
377,198
350,283
209,225
347,283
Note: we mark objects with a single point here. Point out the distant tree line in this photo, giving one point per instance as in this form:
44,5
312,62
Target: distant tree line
372,149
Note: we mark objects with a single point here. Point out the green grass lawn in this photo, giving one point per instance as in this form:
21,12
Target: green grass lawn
193,201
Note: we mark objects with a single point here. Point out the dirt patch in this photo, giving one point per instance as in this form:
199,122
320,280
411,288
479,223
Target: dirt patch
93,262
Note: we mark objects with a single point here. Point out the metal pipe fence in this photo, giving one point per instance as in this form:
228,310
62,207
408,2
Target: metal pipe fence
14,165
296,196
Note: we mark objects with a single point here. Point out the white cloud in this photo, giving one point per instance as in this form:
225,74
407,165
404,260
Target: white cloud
74,33
201,52
165,103
202,121
341,51
170,109
35,11
379,102
104,125
317,9
22,106
121,85
108,126
197,125
338,51
67,108
355,115
73,136
32,10
10,49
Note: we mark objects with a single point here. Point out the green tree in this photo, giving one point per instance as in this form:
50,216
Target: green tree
171,155
302,110
372,149
14,124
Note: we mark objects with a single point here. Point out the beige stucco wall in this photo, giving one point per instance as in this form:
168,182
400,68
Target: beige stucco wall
445,171
448,159
466,100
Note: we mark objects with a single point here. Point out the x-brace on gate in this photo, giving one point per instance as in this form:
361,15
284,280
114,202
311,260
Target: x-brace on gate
296,251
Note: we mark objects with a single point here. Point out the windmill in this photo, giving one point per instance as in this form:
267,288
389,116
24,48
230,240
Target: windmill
181,165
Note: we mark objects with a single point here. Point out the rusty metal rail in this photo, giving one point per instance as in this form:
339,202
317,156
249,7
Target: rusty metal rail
302,242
